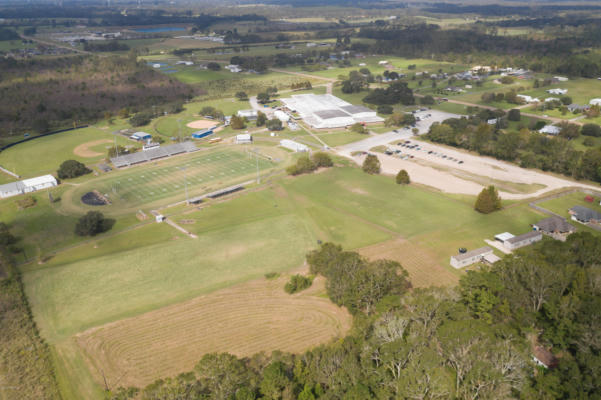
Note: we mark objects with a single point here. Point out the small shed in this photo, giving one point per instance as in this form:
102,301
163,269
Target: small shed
244,138
202,133
139,136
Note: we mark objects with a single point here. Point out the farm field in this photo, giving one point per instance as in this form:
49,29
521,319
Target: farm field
192,174
260,315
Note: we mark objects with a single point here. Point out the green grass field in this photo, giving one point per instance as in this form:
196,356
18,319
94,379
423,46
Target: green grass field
145,185
51,151
240,239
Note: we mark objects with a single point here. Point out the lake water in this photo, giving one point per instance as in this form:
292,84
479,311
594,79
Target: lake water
161,29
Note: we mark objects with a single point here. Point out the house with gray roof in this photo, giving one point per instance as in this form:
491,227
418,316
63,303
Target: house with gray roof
585,215
554,225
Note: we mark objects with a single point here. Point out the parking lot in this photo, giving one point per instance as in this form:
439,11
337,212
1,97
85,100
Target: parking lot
426,119
448,169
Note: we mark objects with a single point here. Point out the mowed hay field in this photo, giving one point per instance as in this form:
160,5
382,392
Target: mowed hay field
423,269
242,320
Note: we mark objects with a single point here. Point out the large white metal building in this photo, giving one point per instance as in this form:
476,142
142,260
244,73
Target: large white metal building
294,146
328,111
27,186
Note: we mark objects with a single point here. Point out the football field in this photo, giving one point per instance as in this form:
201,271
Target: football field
196,173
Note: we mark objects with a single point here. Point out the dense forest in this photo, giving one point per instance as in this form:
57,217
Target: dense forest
40,95
474,341
26,370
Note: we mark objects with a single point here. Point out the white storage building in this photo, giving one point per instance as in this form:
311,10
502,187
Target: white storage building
550,130
248,114
294,146
244,138
470,257
282,116
27,186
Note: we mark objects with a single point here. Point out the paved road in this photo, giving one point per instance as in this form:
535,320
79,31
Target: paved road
554,120
383,139
303,74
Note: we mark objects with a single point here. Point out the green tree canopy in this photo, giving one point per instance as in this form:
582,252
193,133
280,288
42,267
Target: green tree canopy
72,169
488,200
371,164
402,177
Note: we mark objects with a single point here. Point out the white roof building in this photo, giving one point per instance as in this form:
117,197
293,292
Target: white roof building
282,116
27,186
561,78
595,102
548,99
557,91
383,62
327,111
244,138
470,257
294,146
550,130
233,68
248,114
528,99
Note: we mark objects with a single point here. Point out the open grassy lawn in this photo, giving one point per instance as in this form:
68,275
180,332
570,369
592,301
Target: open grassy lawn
581,90
432,220
397,63
334,139
451,107
147,185
44,155
45,227
239,239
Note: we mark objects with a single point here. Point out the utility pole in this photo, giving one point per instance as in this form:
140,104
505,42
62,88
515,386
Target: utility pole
186,186
179,125
116,148
257,159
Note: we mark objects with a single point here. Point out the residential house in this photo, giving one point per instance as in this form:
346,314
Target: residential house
471,257
550,130
585,215
554,226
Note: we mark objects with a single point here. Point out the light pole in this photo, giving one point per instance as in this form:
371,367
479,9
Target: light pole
257,159
179,125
